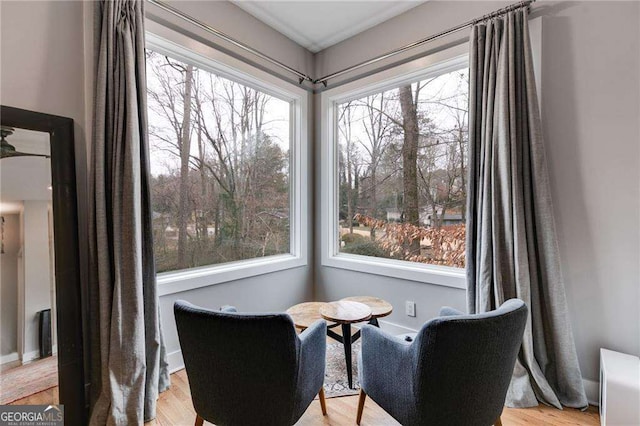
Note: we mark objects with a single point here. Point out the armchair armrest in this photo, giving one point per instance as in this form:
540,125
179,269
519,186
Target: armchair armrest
314,333
313,349
447,311
387,370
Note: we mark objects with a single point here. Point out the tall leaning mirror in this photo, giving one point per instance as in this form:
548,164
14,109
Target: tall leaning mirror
41,344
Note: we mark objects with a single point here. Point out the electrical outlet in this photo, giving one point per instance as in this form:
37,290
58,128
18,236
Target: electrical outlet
410,308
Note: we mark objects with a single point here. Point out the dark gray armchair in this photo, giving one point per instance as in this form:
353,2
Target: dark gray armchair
456,371
249,369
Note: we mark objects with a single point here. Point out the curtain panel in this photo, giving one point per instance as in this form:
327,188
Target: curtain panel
512,248
128,363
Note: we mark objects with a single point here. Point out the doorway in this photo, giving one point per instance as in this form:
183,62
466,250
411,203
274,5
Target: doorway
28,349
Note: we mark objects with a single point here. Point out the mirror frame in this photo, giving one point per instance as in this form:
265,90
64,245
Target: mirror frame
69,289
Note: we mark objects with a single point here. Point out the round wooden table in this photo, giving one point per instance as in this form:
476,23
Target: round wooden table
341,313
345,313
305,314
379,308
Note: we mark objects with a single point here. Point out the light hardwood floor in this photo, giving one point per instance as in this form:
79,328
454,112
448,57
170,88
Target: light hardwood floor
175,409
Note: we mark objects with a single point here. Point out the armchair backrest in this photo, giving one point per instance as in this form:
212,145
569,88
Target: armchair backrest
242,368
464,365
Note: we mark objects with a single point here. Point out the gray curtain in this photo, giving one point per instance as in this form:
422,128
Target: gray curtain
512,248
128,364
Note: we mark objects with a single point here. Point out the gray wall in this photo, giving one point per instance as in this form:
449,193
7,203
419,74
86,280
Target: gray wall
42,67
9,285
590,102
591,110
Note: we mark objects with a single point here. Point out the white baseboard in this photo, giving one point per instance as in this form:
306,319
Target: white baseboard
592,389
12,357
34,355
175,361
30,356
393,328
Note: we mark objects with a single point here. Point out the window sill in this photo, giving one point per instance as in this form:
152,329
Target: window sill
190,279
430,274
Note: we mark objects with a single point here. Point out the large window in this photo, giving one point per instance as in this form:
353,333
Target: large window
221,165
397,163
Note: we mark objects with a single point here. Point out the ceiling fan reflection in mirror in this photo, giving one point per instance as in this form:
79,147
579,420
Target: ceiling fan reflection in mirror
7,150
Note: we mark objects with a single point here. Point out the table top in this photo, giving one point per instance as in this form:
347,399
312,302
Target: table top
345,312
379,308
305,314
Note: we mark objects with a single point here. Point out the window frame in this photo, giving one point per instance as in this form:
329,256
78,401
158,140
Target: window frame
427,67
204,57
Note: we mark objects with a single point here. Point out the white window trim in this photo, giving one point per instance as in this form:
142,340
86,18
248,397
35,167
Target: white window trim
181,47
430,66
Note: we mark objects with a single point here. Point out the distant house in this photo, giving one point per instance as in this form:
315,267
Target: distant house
426,216
393,214
452,218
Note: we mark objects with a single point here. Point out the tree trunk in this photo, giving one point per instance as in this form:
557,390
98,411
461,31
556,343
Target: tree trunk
410,163
349,198
463,184
355,198
185,148
374,201
216,223
204,199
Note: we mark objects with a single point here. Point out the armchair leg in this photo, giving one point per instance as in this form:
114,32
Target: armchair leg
361,399
323,403
199,420
498,422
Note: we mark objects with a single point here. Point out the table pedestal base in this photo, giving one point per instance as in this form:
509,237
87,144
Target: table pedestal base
347,339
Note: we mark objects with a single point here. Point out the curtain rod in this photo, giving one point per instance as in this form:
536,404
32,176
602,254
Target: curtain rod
499,12
302,77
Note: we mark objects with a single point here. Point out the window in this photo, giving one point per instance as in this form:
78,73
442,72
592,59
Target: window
398,151
225,152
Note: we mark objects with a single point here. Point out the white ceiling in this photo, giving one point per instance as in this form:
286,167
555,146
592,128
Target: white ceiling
317,25
25,178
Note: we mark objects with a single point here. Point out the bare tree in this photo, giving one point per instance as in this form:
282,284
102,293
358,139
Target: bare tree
442,153
185,153
222,168
351,160
377,127
411,211
172,100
